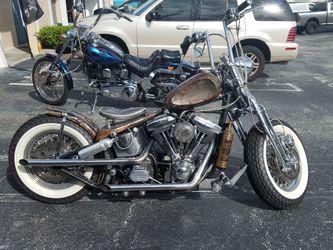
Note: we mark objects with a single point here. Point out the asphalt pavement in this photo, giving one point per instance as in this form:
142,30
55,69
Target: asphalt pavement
300,93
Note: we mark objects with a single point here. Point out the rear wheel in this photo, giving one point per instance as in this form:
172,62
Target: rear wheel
258,60
49,83
281,189
311,27
38,139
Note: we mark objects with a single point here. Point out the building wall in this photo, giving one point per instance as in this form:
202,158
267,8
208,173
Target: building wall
7,25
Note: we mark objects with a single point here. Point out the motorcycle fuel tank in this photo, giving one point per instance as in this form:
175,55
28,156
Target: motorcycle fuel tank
102,55
198,90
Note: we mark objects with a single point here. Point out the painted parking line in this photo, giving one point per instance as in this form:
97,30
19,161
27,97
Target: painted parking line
281,87
323,80
20,84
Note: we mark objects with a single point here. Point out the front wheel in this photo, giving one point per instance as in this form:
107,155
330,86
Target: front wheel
280,189
38,139
49,83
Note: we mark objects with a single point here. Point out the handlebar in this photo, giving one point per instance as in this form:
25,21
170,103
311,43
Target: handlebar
237,13
243,6
119,15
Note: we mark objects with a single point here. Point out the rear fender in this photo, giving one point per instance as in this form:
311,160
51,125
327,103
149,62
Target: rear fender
81,120
63,69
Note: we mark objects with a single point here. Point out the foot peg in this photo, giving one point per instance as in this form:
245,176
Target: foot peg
224,180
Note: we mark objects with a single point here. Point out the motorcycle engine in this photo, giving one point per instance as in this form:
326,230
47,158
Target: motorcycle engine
102,72
183,140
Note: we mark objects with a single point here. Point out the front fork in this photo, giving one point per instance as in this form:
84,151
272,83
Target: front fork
267,126
56,60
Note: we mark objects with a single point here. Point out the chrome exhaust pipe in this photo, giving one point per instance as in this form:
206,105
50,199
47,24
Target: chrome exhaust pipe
79,162
156,187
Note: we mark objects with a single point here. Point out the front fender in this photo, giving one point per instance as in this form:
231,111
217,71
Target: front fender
63,69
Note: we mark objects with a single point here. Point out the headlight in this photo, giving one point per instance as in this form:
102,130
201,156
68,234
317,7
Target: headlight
81,27
72,34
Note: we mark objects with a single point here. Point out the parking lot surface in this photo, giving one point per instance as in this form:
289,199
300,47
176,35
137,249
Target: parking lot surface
300,93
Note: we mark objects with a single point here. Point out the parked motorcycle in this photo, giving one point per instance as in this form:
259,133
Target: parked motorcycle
106,66
55,156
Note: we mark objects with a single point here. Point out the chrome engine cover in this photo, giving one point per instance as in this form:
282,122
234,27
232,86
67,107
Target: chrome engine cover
142,172
139,174
183,169
184,132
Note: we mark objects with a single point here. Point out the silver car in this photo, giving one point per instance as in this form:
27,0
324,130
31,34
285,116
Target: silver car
267,33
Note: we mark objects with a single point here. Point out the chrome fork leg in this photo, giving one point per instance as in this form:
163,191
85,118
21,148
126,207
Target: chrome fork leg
268,127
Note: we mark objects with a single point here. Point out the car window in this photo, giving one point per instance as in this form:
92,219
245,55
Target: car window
174,10
144,7
272,10
319,7
213,10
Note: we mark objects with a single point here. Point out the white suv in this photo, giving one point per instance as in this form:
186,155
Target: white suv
267,33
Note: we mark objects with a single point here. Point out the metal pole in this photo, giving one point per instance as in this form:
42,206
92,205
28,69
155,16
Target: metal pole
3,61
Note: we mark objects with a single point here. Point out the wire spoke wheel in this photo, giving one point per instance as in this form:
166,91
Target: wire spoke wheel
280,186
39,139
287,180
49,82
45,147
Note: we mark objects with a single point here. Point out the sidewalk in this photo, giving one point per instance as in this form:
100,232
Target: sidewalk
16,55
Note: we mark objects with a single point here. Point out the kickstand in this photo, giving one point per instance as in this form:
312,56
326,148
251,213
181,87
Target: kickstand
95,102
224,180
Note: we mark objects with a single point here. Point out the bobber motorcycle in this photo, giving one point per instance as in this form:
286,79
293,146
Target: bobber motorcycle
55,157
108,67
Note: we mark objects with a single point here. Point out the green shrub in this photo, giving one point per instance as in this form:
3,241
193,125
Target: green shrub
49,36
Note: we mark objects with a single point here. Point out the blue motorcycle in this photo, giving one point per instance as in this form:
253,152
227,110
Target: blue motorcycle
107,67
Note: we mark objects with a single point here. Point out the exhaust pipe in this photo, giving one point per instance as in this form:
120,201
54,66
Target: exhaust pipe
79,162
156,187
124,161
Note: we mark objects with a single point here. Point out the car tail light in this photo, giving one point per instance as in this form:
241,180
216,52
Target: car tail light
291,35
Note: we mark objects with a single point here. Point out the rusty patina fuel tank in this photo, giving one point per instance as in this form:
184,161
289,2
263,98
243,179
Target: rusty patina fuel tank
200,89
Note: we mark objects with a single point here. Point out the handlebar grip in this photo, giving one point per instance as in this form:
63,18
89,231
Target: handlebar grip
243,6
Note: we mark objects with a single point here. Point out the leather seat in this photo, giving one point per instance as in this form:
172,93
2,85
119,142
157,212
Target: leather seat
170,56
122,114
143,66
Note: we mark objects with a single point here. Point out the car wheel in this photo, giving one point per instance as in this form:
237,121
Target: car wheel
258,60
311,27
